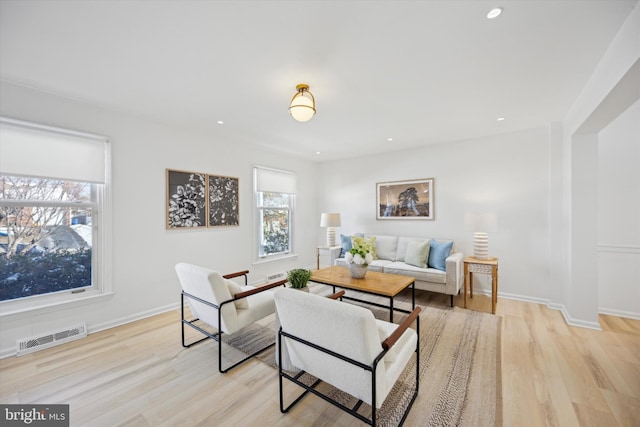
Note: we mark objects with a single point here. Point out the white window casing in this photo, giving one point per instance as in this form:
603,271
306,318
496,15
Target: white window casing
29,149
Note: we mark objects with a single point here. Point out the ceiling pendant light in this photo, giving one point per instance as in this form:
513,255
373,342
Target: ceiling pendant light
303,104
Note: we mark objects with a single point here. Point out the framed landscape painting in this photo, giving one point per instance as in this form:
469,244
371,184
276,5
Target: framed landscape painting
186,199
224,204
405,199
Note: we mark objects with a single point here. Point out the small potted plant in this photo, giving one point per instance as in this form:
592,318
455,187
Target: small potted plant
298,278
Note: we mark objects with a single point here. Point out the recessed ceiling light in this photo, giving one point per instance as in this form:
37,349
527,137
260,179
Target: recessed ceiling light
494,13
389,139
317,152
220,122
500,119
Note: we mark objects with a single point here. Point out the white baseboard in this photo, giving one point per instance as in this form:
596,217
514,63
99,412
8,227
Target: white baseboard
128,319
619,313
553,306
12,351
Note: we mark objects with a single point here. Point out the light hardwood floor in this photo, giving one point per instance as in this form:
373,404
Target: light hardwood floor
139,375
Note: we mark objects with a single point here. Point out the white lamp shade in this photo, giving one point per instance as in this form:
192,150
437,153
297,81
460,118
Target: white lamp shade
330,220
481,221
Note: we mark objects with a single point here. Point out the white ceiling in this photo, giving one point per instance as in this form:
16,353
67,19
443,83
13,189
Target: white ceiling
420,72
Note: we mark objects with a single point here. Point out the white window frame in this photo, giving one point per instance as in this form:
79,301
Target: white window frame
258,218
101,237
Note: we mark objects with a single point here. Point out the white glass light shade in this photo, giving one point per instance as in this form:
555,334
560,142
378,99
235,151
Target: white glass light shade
494,13
303,104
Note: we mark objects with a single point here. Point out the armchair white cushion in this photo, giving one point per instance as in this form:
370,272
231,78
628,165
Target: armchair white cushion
209,296
350,331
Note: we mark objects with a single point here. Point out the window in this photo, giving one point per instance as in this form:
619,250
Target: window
53,215
275,197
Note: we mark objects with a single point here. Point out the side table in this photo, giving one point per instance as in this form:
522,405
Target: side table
320,250
483,266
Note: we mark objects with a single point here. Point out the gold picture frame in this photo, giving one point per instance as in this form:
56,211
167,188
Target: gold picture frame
410,200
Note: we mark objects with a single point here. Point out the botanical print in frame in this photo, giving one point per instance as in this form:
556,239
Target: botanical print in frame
186,199
224,204
405,199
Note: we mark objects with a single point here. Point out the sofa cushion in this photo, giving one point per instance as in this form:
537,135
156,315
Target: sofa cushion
379,265
386,247
345,243
438,253
424,274
417,253
403,241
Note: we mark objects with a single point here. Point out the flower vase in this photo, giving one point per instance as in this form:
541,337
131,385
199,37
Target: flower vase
357,271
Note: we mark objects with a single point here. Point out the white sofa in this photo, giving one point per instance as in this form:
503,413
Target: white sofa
390,258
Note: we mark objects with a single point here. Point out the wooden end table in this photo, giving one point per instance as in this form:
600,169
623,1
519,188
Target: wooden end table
483,266
324,249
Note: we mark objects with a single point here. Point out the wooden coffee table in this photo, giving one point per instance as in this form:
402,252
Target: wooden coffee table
374,283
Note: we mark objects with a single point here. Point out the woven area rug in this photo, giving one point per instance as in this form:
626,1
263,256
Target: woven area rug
460,368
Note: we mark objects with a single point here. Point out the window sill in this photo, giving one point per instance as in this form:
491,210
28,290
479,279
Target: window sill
274,258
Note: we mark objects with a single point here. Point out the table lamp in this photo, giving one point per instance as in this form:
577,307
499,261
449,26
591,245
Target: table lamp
330,220
481,224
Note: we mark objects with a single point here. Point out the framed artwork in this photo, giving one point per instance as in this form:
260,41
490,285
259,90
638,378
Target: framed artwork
223,201
405,199
186,199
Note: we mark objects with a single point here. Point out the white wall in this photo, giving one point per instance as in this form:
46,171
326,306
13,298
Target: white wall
505,174
619,215
611,89
144,252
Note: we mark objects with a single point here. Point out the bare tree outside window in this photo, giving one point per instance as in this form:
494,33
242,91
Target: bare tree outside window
45,236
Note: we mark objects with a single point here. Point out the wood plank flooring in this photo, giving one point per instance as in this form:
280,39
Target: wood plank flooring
139,375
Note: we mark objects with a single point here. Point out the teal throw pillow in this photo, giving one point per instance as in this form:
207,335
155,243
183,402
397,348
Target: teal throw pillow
417,253
438,253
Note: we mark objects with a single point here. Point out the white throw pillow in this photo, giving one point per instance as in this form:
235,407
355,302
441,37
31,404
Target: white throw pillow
417,253
234,289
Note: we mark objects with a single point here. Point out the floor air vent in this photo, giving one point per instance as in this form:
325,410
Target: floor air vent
31,344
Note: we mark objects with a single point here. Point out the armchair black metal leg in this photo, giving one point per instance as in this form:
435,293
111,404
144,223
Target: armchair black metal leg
451,300
216,337
417,388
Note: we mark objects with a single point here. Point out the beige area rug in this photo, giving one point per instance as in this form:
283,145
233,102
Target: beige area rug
460,368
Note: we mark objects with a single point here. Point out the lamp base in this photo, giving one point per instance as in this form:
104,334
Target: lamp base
481,246
331,236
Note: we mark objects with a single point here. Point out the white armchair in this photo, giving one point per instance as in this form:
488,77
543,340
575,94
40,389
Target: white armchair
222,304
343,345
